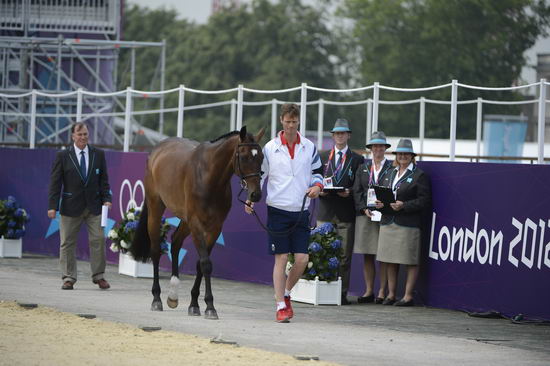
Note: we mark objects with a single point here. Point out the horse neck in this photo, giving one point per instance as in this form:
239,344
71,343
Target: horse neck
224,167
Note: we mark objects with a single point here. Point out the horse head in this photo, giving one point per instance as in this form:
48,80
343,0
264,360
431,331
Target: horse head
248,163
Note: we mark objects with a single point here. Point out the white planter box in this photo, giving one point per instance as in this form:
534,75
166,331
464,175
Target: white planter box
11,248
128,266
318,292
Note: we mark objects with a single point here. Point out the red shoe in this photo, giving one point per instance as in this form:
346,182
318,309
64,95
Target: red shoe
282,316
289,307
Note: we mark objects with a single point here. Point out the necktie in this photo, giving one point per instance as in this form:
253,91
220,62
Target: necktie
339,165
82,165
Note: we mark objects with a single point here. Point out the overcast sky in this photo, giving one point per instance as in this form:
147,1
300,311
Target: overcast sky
199,11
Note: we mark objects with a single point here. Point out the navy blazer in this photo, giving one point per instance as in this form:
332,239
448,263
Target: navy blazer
414,192
362,183
332,205
78,192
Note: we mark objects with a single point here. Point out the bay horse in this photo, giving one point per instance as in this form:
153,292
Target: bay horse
193,180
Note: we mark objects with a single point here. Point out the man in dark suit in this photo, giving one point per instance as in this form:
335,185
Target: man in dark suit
79,187
336,200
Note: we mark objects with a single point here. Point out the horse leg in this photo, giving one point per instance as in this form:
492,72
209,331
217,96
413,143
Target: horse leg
156,208
194,309
177,239
206,266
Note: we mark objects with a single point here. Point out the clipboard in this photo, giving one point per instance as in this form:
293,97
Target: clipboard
384,194
334,189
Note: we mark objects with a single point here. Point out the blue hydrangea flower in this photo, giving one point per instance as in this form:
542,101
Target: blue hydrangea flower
327,275
326,228
19,233
12,223
130,225
18,213
314,247
137,213
336,244
28,218
312,272
333,262
10,233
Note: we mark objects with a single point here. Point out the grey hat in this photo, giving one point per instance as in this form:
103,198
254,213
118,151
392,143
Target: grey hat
378,138
341,125
404,146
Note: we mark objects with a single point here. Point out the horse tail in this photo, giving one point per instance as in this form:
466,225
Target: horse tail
141,245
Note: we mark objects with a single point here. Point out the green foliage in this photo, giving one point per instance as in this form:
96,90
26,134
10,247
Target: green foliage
122,235
419,43
260,44
325,254
12,219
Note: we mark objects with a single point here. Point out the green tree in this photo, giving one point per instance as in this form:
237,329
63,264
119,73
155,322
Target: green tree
262,45
419,43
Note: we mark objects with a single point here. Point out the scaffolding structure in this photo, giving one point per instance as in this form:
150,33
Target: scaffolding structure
62,46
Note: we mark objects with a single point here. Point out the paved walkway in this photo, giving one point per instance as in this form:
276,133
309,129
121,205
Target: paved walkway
350,335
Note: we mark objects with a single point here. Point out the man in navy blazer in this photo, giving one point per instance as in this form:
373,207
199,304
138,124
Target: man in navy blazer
337,205
79,187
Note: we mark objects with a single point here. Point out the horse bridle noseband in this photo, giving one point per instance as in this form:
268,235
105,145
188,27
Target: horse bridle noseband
245,186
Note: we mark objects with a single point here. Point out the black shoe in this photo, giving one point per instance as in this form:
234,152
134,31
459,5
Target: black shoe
365,299
404,303
388,301
378,300
345,301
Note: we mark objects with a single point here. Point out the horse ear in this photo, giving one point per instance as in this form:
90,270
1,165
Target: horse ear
242,134
260,134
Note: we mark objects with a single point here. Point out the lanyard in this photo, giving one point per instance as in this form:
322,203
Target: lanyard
340,163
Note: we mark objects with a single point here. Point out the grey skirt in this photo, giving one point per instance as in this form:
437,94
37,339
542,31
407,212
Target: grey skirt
366,235
399,244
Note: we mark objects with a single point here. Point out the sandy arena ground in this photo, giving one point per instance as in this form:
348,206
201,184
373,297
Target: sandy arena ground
44,336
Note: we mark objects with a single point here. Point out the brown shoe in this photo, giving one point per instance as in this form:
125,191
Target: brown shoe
67,285
102,283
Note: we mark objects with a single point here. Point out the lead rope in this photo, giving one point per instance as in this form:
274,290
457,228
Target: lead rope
279,233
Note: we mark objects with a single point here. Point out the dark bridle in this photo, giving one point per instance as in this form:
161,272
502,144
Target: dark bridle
243,178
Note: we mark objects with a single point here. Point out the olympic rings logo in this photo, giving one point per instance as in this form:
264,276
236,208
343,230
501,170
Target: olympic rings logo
132,199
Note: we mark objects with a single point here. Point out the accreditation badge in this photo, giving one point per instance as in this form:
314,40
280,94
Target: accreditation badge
327,182
376,216
371,198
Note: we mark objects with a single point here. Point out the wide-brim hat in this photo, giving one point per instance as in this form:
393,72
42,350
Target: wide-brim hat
341,125
404,146
378,138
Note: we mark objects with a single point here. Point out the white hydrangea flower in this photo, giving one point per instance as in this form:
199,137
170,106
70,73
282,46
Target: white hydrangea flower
124,244
113,248
309,265
112,234
24,212
130,216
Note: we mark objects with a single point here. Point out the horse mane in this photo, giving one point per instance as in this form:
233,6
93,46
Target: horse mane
229,134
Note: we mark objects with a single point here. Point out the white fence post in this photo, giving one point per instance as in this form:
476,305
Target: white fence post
478,127
273,118
375,98
232,114
240,107
303,101
181,105
542,120
127,119
32,136
79,107
422,124
369,121
320,123
454,97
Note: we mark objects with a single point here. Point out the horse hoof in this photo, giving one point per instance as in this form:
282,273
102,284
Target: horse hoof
194,311
211,314
172,304
156,306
